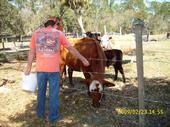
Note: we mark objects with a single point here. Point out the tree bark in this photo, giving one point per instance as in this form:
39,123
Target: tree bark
80,21
120,30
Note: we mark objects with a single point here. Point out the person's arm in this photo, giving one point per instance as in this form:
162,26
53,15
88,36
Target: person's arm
31,57
73,51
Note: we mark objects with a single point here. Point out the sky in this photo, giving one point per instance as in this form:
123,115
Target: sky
155,0
147,1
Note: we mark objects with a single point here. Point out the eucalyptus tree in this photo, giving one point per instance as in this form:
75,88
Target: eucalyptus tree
158,18
165,12
78,6
34,13
90,18
112,16
10,19
137,6
100,15
124,11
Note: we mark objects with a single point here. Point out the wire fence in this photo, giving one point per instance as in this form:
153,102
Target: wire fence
108,109
125,97
111,94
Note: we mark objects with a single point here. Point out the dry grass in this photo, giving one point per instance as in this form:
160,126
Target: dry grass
18,107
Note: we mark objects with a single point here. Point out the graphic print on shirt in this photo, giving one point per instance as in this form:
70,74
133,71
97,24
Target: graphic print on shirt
47,42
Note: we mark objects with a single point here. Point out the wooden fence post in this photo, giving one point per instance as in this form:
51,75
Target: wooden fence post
138,26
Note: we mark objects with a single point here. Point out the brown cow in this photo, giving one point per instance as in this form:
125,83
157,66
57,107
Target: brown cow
114,58
90,49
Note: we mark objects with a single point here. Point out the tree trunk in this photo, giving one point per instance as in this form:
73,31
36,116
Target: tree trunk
1,27
105,31
80,21
120,30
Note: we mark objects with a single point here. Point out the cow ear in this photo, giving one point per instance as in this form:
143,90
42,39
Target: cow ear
107,83
86,81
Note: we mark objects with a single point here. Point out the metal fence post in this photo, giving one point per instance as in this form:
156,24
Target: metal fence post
138,26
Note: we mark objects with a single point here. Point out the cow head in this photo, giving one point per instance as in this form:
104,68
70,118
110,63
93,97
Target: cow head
95,35
95,89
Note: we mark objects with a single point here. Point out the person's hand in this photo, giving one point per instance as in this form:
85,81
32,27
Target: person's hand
27,70
85,62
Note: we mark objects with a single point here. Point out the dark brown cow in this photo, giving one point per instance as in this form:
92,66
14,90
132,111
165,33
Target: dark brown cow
90,49
115,57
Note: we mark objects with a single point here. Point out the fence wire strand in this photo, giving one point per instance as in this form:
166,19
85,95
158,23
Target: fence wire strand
126,97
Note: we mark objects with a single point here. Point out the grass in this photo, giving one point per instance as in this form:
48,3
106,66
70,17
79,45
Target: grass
18,107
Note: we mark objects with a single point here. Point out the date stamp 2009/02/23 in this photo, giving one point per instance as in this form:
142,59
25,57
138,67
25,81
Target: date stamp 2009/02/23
125,111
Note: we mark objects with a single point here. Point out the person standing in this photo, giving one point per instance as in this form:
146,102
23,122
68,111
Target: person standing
45,46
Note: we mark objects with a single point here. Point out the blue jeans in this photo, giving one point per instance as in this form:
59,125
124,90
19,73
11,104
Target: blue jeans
53,78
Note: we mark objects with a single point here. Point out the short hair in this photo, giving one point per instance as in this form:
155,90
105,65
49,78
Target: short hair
49,23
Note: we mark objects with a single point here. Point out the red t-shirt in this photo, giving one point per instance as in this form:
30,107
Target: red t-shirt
47,42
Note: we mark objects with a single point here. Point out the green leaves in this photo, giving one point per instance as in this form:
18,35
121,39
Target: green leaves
23,16
74,4
10,18
158,18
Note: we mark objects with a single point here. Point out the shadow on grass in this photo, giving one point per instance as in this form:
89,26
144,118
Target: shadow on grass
158,89
76,109
126,61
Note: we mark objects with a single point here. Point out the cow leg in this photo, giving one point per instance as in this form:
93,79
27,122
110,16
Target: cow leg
116,71
70,74
62,76
64,73
122,73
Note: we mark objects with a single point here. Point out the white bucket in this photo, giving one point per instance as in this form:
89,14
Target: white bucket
29,82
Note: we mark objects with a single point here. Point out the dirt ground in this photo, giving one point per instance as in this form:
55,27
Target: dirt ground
18,107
